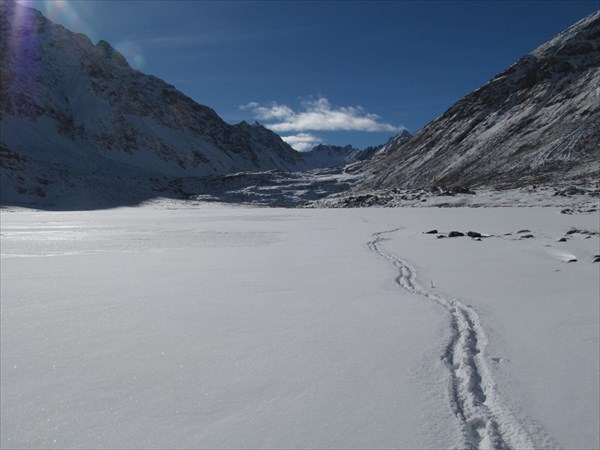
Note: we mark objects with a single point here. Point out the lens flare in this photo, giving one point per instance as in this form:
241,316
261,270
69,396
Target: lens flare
23,48
62,12
133,53
65,13
71,14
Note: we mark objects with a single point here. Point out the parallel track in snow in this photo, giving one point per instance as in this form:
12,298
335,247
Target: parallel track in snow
483,419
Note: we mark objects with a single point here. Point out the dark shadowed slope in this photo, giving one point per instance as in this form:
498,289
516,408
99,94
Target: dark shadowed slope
78,122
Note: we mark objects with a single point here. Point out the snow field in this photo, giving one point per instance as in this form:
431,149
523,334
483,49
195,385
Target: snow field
539,311
211,328
245,327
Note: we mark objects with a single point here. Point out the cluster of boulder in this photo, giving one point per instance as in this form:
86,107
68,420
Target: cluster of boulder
452,191
472,234
574,190
523,234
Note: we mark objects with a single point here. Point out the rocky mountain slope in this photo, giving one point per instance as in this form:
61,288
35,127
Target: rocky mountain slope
73,111
538,122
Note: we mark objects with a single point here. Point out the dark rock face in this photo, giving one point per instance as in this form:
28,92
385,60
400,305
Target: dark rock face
538,122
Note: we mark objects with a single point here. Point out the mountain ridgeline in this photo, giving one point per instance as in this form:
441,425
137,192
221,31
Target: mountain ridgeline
80,128
77,119
537,122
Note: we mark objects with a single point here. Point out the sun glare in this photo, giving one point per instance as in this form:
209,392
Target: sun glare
132,52
66,14
71,16
62,12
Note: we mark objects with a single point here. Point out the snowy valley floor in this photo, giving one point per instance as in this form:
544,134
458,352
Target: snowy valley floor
235,327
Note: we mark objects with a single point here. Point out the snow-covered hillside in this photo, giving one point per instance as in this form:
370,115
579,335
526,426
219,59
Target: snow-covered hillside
71,111
536,122
168,326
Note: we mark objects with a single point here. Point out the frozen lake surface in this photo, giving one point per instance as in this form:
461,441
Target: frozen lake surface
234,327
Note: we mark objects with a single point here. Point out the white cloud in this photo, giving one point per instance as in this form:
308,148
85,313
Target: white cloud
302,141
274,111
250,105
319,115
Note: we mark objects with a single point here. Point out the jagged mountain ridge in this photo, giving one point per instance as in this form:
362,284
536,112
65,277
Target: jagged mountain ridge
324,155
78,122
536,122
69,107
352,158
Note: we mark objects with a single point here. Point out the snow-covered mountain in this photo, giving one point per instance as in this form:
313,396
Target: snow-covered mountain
348,156
331,155
71,110
81,128
536,122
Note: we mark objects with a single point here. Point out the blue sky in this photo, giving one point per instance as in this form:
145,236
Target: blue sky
334,72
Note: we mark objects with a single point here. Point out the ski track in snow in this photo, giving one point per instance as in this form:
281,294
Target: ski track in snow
483,419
